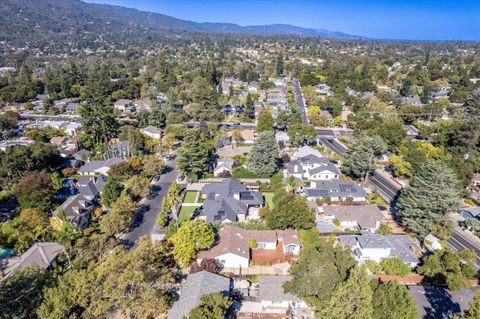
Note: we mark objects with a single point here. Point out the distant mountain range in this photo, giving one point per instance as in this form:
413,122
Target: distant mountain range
74,20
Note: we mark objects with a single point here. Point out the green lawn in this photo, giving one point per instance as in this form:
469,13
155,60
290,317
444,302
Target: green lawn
185,213
190,197
268,198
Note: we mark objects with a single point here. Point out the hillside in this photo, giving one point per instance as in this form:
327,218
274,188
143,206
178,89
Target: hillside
45,22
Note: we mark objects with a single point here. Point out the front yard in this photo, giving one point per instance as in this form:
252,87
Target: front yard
185,213
268,198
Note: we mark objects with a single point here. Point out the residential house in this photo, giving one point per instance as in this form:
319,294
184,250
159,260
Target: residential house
116,148
411,100
77,210
238,247
271,301
306,151
4,145
40,255
253,87
470,212
230,201
151,131
224,167
432,243
311,167
73,128
377,247
99,167
323,90
197,285
71,108
335,190
352,217
142,105
246,136
124,105
412,132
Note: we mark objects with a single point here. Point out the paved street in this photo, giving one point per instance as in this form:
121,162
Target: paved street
334,145
299,100
146,220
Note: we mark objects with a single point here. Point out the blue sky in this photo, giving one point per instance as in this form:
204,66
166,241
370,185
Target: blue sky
392,19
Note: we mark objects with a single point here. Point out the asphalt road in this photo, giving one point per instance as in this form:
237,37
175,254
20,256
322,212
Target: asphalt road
388,188
145,223
299,101
458,242
326,132
334,145
385,185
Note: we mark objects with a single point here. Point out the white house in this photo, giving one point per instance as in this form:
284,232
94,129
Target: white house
151,131
355,217
311,167
224,166
306,151
377,247
124,105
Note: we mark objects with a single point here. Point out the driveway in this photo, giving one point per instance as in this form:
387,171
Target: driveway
145,221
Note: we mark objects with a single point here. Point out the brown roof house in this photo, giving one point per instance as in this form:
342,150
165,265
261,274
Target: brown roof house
40,255
238,247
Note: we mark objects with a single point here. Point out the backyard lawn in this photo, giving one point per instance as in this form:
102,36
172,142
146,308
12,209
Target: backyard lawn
268,198
185,213
190,197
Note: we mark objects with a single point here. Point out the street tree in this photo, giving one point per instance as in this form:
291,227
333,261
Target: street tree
301,134
265,122
359,160
431,193
111,192
120,216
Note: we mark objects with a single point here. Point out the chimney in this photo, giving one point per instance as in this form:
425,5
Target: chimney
413,249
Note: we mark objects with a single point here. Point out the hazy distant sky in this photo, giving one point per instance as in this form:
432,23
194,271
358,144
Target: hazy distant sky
392,19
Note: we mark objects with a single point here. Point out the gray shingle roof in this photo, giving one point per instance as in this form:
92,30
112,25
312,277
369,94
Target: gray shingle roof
365,215
220,203
336,188
40,255
401,245
95,165
271,289
197,285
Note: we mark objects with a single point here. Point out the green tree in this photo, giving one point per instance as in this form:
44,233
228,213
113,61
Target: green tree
249,109
432,193
35,190
120,216
392,300
135,282
265,122
57,182
318,270
212,306
351,299
21,293
474,311
472,105
395,266
153,165
446,267
300,134
156,118
190,238
111,192
359,160
193,156
98,120
291,211
264,157
392,132
279,64
137,186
